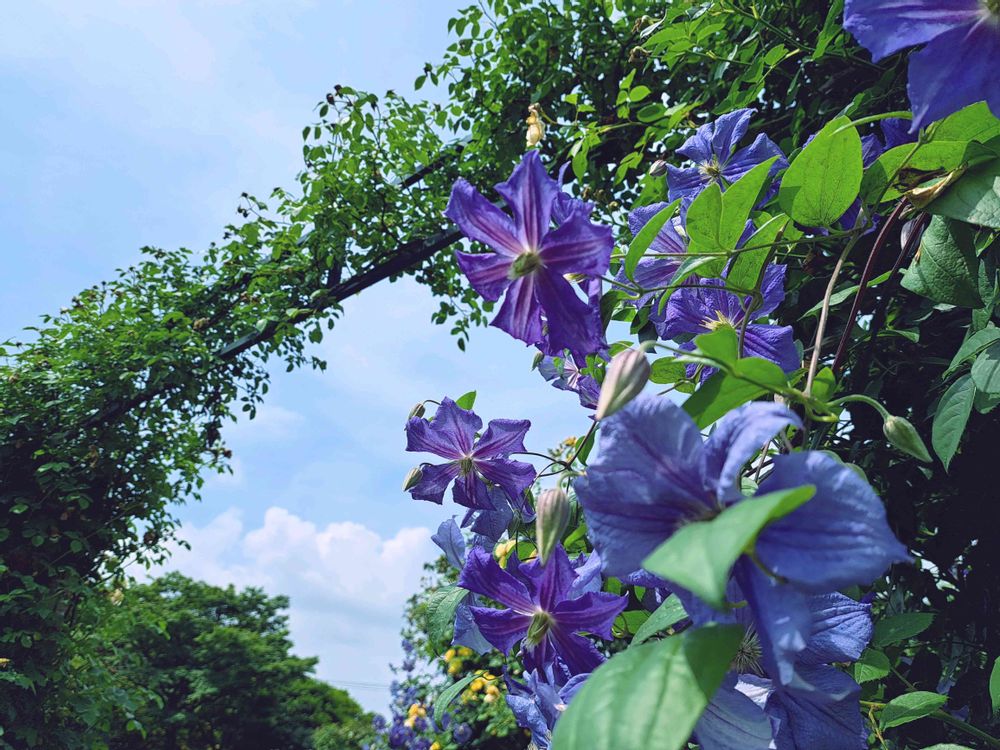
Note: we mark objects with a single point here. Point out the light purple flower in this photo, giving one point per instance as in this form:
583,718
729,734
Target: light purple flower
713,150
547,608
472,462
698,310
538,702
656,271
957,65
563,373
449,538
530,258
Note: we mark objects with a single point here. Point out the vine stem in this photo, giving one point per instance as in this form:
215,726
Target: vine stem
947,719
880,242
825,314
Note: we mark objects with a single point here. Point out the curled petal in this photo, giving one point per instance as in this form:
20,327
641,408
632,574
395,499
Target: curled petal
480,220
837,539
762,149
579,654
772,289
773,343
434,482
502,437
471,491
571,323
487,272
449,538
813,718
513,476
530,193
466,631
841,629
732,721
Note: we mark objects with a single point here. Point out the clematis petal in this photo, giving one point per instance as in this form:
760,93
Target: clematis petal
812,719
739,435
887,26
781,616
685,182
513,476
732,721
487,272
951,72
896,132
466,631
501,627
588,571
434,482
579,654
502,437
520,314
644,482
482,575
491,524
841,629
686,312
571,323
728,130
772,289
773,343
449,435
481,221
837,539
762,149
449,538
471,491
578,246
553,580
591,613
530,193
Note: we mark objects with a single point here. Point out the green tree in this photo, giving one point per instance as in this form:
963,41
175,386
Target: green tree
219,665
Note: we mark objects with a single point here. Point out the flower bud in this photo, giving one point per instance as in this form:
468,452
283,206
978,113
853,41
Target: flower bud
904,436
551,520
417,411
539,356
625,378
413,478
536,128
658,168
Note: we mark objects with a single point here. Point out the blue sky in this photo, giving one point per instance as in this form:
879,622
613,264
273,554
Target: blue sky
130,123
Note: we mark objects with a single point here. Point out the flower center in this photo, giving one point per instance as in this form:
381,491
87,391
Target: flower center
720,320
992,7
713,170
541,623
527,262
747,659
465,465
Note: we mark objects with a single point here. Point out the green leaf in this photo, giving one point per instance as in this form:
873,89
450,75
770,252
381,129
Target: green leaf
449,694
641,242
887,178
986,370
823,181
873,665
947,269
896,628
722,345
666,370
752,377
994,685
466,400
441,606
910,707
746,270
639,93
700,555
666,615
951,417
838,298
649,696
972,346
973,123
974,198
740,198
825,385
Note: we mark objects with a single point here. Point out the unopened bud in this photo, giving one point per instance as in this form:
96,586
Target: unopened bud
539,356
626,376
658,167
536,127
413,478
904,436
417,411
551,520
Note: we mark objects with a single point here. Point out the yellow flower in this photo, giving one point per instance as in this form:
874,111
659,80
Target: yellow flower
449,654
436,745
502,551
489,698
492,690
477,684
410,721
464,652
455,667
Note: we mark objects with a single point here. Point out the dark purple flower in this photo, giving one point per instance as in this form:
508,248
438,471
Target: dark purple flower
462,733
957,65
452,435
654,473
697,310
713,150
547,607
530,258
537,703
896,132
565,375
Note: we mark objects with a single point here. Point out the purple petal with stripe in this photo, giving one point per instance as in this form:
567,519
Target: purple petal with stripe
578,246
732,721
501,627
487,272
887,26
481,221
530,193
520,314
434,482
502,437
482,575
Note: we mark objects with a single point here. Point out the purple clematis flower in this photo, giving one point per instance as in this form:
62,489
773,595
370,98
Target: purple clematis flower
957,65
537,703
713,150
565,375
530,259
449,538
697,310
656,271
452,435
654,474
818,710
547,607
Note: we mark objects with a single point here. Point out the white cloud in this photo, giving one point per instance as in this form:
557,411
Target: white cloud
347,584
